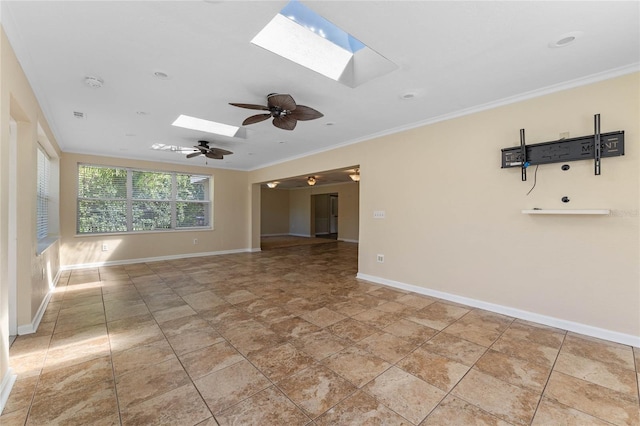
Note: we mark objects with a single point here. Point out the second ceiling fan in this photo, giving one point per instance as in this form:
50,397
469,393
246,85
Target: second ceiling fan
283,109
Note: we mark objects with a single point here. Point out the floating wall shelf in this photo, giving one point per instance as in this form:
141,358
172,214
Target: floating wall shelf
567,211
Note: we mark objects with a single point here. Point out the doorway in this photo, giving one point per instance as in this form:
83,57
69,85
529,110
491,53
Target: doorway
325,215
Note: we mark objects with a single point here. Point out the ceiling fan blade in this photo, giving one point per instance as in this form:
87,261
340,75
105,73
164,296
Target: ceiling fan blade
305,113
214,156
255,119
285,102
194,154
250,106
220,151
285,122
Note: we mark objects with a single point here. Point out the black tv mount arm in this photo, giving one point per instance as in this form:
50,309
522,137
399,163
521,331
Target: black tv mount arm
596,147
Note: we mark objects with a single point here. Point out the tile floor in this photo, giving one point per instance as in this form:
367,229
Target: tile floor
290,337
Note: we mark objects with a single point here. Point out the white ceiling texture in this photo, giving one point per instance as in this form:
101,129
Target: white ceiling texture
451,58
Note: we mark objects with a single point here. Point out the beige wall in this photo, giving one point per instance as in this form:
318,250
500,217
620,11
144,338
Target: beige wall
35,273
301,214
274,211
453,216
230,210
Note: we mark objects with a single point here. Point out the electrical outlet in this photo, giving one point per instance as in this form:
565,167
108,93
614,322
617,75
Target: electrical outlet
380,258
195,241
105,247
378,214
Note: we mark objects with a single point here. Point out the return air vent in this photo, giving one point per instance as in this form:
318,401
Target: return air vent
79,115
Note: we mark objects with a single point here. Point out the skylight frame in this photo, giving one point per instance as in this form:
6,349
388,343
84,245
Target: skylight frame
300,35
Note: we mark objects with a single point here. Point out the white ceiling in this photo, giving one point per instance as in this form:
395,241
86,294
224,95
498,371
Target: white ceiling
455,57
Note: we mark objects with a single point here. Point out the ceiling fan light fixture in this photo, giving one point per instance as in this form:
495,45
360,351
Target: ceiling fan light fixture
272,184
311,180
355,176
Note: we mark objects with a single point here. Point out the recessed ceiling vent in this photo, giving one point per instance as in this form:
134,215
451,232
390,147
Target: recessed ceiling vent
79,115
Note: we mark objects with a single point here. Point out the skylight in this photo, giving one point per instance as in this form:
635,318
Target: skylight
194,123
299,34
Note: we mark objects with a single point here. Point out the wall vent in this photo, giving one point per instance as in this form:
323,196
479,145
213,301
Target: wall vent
79,115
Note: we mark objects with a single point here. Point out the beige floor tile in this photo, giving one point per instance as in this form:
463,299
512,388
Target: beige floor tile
609,375
453,411
387,346
552,413
405,394
511,403
99,324
173,313
320,344
268,407
348,307
526,350
292,327
93,401
281,361
415,300
119,310
514,370
537,333
252,336
21,394
439,371
14,418
599,350
358,409
598,401
182,406
457,349
148,382
231,385
142,356
356,365
352,330
377,318
411,331
74,378
133,332
323,317
316,389
212,358
438,315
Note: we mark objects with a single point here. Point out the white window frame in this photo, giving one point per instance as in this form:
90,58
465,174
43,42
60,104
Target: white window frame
130,200
43,194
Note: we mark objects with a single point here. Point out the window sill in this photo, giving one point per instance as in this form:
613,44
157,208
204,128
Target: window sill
156,231
45,243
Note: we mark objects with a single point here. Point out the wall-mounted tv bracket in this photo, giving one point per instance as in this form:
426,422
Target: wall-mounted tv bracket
596,146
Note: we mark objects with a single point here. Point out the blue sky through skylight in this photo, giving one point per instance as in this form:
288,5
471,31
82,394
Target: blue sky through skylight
306,17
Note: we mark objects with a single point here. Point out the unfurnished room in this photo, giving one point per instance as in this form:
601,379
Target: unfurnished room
319,212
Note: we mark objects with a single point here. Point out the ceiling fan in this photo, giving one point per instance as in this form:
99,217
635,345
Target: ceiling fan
283,109
204,149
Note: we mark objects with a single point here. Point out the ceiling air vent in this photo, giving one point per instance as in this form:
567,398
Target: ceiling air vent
79,115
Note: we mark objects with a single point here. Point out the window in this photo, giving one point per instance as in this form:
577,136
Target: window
42,209
114,199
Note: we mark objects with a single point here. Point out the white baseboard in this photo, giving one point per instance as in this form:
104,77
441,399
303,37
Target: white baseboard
35,322
5,387
275,235
349,241
153,259
588,330
301,235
